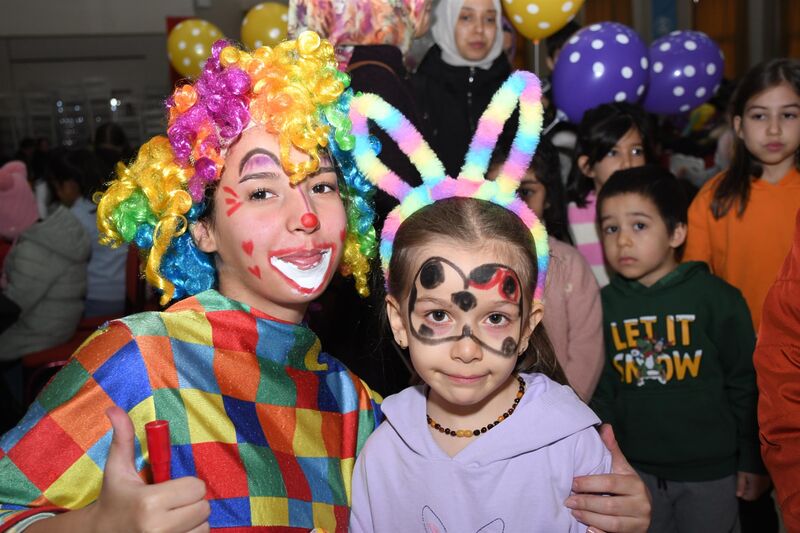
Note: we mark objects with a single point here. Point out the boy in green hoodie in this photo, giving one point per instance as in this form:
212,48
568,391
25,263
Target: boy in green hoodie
678,385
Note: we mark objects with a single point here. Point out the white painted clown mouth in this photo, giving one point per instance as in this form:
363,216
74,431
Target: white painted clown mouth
305,270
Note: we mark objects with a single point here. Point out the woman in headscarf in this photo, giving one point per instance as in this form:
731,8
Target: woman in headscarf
459,75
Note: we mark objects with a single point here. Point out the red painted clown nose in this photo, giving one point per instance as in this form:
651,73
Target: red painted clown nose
309,220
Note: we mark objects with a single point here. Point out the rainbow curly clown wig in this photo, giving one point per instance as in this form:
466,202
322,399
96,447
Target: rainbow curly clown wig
293,90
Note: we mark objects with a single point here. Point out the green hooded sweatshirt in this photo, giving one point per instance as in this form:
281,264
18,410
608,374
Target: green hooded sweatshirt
678,385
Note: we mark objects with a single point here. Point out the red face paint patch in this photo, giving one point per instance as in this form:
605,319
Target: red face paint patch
494,276
254,270
233,202
234,206
247,246
343,235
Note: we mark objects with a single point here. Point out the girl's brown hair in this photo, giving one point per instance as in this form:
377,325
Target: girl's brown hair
733,189
472,223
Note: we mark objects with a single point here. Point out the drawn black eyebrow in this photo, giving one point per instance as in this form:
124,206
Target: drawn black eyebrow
256,151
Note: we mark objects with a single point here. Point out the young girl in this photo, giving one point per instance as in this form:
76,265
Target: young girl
466,263
741,221
610,137
239,211
574,315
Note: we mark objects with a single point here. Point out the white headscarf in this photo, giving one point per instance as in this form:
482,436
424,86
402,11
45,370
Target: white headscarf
444,28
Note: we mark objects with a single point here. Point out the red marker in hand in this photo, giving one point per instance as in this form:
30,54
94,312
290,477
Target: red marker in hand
158,446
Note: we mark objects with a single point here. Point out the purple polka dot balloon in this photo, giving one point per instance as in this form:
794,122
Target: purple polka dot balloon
602,63
685,71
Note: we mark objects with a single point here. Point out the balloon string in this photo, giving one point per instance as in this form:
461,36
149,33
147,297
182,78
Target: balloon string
536,56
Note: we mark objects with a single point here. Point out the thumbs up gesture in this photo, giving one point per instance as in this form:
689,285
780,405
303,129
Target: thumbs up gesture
128,504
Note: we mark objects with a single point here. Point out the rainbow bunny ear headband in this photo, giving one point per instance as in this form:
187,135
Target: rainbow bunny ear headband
522,87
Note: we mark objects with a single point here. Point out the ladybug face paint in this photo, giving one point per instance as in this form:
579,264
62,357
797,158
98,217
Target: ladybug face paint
446,304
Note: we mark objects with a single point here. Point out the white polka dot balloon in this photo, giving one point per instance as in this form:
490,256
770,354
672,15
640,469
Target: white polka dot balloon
265,25
602,63
189,45
687,66
537,19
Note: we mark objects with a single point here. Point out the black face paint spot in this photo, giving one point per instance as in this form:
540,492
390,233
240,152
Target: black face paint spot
425,331
464,300
483,274
431,275
509,287
509,346
466,331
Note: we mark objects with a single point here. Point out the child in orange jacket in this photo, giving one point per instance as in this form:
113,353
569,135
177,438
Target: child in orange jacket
740,223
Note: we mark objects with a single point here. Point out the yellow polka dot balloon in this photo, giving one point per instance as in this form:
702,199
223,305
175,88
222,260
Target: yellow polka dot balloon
189,45
265,25
537,19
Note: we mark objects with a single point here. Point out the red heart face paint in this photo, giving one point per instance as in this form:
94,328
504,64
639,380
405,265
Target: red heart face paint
247,247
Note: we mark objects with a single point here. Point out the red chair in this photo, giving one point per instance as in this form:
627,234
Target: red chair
39,367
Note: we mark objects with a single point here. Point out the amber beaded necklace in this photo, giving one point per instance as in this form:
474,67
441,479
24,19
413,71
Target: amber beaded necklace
476,432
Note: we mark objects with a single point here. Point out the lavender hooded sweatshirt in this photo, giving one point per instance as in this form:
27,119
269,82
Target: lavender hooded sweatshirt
512,478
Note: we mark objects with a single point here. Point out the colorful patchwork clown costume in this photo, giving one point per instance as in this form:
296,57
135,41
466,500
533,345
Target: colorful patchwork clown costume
267,420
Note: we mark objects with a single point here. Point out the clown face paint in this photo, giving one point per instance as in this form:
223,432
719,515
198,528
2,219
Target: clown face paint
304,269
265,256
231,200
495,286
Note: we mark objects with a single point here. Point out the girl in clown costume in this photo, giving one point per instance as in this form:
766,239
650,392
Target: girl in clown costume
239,211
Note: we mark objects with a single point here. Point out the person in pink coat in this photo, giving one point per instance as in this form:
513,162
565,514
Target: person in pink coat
574,314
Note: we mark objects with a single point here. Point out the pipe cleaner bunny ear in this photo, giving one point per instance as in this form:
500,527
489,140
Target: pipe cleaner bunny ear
521,87
403,133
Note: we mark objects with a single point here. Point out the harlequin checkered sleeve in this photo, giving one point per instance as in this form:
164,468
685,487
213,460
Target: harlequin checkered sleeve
256,410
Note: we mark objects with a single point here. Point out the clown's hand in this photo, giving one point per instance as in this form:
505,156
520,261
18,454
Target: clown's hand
617,502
